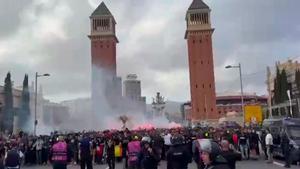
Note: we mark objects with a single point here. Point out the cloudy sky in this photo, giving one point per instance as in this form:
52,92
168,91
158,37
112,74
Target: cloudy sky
50,36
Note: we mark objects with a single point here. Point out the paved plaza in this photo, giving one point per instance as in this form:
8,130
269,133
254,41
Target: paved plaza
240,165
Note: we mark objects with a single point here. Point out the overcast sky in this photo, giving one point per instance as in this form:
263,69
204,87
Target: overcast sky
50,36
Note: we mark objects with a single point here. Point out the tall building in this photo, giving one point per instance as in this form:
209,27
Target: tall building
105,83
132,95
132,87
200,53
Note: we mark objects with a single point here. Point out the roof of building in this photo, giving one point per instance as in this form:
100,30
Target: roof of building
101,10
198,4
236,96
239,97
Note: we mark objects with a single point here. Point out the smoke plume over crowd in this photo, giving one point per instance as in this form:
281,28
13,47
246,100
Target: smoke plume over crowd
103,110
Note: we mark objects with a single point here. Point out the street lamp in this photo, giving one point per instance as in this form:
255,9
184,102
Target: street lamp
290,100
35,99
241,82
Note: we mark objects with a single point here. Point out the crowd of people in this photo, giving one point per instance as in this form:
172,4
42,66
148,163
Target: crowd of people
209,148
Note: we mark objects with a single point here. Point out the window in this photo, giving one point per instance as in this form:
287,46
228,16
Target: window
200,41
206,18
203,86
101,24
212,109
193,41
209,85
204,109
196,86
193,17
94,24
104,22
201,62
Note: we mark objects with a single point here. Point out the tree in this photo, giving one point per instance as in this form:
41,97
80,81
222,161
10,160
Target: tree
8,105
297,79
281,86
182,112
25,105
284,86
277,89
275,96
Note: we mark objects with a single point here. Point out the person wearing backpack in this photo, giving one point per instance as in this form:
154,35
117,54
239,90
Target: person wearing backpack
133,150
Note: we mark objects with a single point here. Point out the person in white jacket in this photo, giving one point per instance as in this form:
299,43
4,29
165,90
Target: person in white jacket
269,146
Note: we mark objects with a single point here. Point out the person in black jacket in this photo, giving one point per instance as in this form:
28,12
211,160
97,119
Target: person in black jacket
263,143
2,154
178,157
110,153
85,152
211,155
286,149
13,159
244,145
229,155
149,157
125,142
253,141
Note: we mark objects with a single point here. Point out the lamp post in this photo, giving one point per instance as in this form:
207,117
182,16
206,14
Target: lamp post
241,82
290,101
35,99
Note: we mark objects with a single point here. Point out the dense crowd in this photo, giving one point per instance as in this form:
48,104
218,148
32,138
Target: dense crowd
209,148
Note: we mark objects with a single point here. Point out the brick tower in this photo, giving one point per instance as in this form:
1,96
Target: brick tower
106,86
200,53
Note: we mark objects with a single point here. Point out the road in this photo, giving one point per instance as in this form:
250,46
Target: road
240,165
